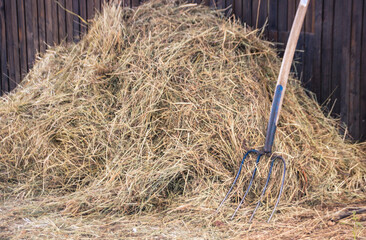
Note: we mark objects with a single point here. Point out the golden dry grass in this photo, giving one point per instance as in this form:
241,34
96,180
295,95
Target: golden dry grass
151,113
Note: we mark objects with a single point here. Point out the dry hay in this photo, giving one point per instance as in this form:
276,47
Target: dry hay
153,110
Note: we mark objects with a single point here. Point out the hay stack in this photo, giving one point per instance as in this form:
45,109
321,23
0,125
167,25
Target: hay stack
156,106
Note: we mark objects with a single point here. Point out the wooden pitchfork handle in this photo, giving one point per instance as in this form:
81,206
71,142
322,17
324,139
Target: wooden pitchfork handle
284,73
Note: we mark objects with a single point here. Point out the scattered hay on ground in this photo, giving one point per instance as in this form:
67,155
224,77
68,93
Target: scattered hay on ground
152,111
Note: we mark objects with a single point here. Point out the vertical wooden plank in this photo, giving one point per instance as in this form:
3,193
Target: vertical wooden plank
22,38
238,8
259,12
345,58
282,19
41,25
61,20
30,33
12,43
317,64
4,81
69,24
273,20
299,57
327,49
355,70
263,13
282,15
362,108
97,4
49,22
83,14
14,81
254,10
247,12
90,9
309,17
283,30
291,9
35,25
76,20
337,54
54,12
308,60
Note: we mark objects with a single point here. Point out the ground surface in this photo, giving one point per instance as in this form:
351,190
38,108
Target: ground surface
31,219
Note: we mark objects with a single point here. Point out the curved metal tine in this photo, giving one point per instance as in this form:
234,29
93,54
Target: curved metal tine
250,185
237,176
265,188
282,185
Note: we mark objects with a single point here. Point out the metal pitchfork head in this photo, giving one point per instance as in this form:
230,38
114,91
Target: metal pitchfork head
273,119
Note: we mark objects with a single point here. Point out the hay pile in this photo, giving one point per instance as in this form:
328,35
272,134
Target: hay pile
154,109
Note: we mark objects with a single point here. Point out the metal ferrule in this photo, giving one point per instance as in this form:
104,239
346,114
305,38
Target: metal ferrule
271,128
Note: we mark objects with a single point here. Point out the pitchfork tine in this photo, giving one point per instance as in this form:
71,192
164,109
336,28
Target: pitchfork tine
265,188
236,178
249,186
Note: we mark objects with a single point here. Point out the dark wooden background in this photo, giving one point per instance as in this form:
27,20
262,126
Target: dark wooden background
330,58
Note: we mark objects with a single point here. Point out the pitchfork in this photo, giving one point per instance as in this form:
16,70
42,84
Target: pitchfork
274,115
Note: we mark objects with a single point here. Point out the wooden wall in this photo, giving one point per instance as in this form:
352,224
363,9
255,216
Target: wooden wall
330,58
331,50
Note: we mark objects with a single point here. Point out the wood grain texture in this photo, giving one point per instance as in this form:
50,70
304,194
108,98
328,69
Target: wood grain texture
327,51
13,43
363,78
282,15
272,21
353,113
238,9
317,45
4,86
291,11
283,28
69,18
35,25
341,57
61,20
97,5
90,9
346,60
41,25
83,15
263,13
310,18
55,30
254,15
76,21
247,11
22,33
31,51
49,22
308,55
